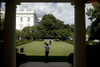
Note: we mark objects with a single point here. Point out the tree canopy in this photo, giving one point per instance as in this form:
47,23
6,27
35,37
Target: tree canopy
1,29
49,28
53,28
94,16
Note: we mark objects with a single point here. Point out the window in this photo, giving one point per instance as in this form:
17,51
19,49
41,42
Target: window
28,19
21,19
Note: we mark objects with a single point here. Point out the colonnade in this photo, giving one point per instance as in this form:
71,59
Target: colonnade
9,49
9,55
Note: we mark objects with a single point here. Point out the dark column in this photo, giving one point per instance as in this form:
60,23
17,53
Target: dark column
9,51
80,45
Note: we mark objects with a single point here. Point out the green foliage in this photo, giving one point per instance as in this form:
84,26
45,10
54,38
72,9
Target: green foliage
88,30
48,28
18,34
94,16
94,13
40,39
95,30
36,34
23,41
1,29
27,32
57,40
2,25
62,34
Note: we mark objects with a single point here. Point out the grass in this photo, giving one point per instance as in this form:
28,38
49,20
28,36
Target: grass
36,48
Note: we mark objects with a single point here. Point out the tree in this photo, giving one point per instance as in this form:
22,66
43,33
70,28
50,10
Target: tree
1,29
27,32
94,16
18,34
88,30
49,26
71,30
94,13
62,34
36,34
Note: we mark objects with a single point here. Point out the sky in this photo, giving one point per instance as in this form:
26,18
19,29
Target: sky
62,11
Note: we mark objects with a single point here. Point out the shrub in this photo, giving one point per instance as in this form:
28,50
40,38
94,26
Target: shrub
40,39
92,43
70,42
20,42
57,39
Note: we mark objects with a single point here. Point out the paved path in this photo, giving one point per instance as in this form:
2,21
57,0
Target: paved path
43,64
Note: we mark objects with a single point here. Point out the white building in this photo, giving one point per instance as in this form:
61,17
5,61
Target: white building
24,18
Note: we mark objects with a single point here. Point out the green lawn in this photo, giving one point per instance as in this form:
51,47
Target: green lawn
36,48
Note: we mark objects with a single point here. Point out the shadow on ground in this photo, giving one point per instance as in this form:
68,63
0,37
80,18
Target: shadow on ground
93,55
51,58
21,58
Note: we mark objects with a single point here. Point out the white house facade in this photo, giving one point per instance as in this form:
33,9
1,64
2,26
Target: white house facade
24,18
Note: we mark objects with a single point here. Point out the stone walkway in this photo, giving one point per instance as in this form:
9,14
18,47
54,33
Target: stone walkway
43,64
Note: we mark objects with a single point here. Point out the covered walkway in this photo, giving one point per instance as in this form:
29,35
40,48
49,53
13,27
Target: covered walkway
10,31
43,64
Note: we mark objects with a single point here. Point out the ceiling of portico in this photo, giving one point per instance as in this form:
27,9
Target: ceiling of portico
87,1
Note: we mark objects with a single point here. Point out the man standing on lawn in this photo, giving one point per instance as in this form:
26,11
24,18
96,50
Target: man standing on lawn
50,41
46,51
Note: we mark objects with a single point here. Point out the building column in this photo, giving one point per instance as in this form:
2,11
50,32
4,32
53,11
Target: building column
80,45
9,50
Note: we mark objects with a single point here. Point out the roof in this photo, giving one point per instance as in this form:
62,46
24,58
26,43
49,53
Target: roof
87,1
